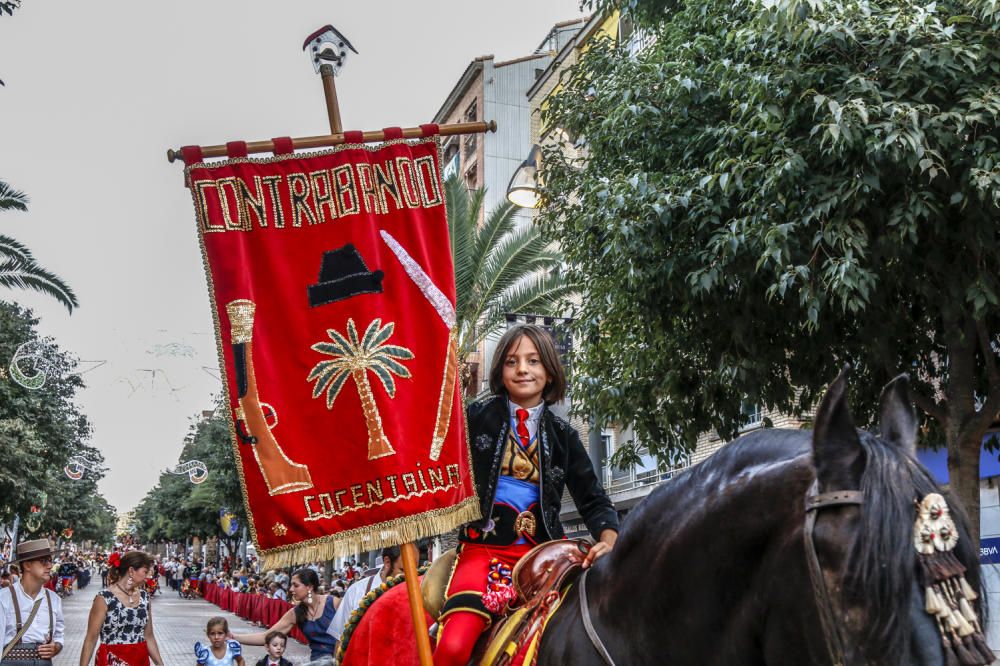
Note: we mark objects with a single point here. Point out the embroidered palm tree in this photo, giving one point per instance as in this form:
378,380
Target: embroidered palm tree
354,358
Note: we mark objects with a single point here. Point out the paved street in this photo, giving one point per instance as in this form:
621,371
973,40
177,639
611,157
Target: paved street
178,623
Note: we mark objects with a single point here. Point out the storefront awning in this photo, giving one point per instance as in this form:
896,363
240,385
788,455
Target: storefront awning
936,462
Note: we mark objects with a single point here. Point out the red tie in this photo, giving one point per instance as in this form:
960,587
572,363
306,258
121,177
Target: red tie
522,427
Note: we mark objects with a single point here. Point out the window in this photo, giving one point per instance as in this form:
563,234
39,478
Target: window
471,113
625,29
632,39
753,415
471,180
469,144
451,165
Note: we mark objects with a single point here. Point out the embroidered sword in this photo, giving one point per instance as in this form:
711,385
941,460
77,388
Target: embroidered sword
442,305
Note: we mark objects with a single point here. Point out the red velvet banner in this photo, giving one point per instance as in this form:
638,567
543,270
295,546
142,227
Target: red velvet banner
333,294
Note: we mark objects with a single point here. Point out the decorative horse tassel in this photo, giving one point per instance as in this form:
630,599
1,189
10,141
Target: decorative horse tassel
934,604
967,590
949,596
967,612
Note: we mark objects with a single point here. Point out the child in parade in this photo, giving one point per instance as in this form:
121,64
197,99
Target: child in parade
523,456
275,641
219,651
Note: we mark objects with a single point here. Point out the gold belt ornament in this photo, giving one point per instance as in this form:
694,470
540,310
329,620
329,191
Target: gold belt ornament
525,524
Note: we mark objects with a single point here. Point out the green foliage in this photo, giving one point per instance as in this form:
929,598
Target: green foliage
774,188
500,267
175,508
40,430
18,268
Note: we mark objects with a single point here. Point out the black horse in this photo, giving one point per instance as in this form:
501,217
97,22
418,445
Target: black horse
711,568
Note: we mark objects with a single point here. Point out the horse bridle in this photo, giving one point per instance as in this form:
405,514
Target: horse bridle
815,501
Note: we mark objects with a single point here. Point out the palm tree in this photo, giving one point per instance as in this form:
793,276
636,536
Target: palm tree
500,267
18,268
354,359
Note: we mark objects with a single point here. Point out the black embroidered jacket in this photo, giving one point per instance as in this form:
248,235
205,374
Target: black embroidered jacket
564,463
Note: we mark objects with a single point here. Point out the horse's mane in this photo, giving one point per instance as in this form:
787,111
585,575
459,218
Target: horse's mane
882,564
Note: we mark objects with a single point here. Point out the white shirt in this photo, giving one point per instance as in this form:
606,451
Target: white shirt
352,599
534,416
38,632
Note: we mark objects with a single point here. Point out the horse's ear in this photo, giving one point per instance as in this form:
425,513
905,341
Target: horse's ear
897,421
837,452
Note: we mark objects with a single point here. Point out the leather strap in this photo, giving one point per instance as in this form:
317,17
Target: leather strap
21,629
824,606
17,608
835,498
588,625
48,601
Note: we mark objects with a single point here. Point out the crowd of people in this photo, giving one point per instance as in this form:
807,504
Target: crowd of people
120,621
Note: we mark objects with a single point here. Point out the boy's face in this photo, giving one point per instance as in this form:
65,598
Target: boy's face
276,647
524,376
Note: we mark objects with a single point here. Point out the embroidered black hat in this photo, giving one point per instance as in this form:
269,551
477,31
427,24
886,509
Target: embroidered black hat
343,274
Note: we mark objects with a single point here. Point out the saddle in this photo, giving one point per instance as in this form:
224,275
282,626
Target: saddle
539,578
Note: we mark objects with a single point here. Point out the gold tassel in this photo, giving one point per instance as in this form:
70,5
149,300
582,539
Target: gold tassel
933,602
952,619
374,537
967,590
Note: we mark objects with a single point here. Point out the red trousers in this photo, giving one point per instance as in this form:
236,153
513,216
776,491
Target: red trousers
123,654
463,625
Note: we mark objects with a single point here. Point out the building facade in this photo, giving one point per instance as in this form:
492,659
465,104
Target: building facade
495,90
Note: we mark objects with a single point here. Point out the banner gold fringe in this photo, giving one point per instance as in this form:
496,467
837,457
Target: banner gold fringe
374,537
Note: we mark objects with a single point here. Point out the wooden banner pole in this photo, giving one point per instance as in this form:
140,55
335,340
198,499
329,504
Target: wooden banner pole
416,604
327,140
330,92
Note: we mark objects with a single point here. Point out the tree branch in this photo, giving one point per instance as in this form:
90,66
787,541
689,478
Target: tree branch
989,356
930,407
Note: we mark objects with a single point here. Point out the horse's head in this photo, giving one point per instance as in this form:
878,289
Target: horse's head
865,552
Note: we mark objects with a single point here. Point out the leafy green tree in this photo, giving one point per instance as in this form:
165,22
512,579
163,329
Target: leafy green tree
176,509
18,267
500,267
40,429
78,505
774,188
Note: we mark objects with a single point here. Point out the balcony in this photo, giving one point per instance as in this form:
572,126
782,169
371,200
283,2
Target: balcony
633,481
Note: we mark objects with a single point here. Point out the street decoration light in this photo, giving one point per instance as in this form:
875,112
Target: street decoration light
196,471
522,191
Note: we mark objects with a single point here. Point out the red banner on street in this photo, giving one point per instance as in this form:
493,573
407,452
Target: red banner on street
333,293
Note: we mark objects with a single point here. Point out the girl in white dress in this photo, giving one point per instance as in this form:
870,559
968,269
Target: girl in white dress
219,651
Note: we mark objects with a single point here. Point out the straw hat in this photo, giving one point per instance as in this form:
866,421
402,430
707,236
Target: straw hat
31,550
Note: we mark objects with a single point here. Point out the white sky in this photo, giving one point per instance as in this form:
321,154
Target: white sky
96,91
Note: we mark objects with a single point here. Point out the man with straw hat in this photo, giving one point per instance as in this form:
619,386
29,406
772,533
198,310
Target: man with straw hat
31,617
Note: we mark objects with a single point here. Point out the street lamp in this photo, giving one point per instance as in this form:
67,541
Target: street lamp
522,191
